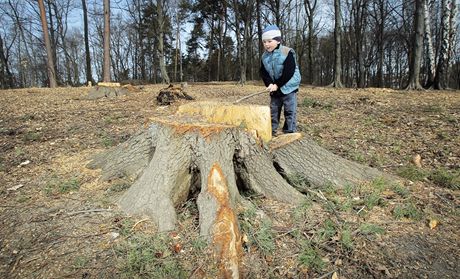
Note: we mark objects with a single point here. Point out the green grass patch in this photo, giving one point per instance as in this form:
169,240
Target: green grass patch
412,173
80,262
32,136
148,256
407,210
401,190
446,178
59,185
310,103
346,239
371,229
300,212
310,257
265,238
259,232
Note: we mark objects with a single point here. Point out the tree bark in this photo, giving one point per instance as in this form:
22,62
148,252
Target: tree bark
338,45
166,159
429,46
89,75
414,68
440,79
106,67
181,155
50,63
161,52
6,80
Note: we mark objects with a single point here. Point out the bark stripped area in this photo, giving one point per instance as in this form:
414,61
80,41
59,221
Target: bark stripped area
175,155
225,230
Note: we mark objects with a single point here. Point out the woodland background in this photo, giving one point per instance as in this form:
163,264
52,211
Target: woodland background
363,43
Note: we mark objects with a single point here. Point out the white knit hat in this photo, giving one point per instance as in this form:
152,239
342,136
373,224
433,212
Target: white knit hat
271,32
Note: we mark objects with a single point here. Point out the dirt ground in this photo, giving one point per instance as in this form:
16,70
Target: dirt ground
58,220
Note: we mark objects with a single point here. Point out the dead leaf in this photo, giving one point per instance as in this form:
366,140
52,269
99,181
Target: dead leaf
335,276
177,248
433,223
417,160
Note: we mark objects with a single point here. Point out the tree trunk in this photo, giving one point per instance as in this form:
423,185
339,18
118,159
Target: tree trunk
440,79
338,45
6,80
310,10
50,63
430,60
414,68
161,50
89,75
106,67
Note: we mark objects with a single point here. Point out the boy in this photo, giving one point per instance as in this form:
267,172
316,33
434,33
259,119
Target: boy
281,75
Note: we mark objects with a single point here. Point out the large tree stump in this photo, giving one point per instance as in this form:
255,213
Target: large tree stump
219,156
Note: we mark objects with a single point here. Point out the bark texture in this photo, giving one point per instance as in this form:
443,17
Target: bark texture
320,167
180,156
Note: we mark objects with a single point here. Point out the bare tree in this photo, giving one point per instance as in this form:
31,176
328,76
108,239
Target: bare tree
161,20
310,10
106,67
89,76
6,77
338,45
441,68
50,63
415,61
430,58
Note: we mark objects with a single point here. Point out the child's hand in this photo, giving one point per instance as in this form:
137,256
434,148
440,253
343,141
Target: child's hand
272,87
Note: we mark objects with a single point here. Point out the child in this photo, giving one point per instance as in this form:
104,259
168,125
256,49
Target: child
281,75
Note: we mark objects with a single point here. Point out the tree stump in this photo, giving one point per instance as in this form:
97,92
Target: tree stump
219,150
108,90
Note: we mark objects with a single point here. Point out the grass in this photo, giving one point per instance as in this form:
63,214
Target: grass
118,187
401,190
446,178
59,185
264,238
412,173
441,177
310,103
310,257
80,262
407,210
32,136
259,232
346,239
327,231
371,229
148,256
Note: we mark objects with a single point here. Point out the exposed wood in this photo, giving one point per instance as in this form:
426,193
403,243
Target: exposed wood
251,117
109,84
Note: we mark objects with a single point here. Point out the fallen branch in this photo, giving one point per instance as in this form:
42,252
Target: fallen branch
97,210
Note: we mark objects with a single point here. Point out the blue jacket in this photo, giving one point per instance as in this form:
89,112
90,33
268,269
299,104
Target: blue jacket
273,64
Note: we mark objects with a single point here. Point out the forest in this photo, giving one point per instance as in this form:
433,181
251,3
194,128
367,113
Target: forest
353,43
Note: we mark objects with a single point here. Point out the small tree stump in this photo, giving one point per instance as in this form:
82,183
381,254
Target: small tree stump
170,94
107,89
206,148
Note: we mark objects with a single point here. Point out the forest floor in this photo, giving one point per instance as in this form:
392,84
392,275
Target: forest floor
58,220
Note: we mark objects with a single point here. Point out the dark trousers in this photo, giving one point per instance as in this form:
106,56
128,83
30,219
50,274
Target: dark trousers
279,100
